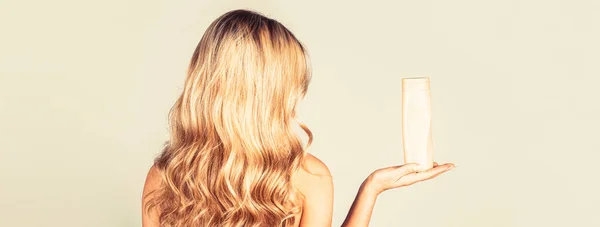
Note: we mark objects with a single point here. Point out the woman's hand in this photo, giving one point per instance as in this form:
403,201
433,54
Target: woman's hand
384,179
399,176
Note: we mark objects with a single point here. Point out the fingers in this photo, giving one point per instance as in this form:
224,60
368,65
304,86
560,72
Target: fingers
408,168
409,174
415,177
435,164
434,172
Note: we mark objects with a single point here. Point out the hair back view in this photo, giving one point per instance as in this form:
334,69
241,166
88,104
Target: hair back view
232,151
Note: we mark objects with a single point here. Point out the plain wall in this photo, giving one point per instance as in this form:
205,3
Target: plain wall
85,88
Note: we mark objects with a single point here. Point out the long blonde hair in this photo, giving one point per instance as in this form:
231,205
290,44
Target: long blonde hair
233,151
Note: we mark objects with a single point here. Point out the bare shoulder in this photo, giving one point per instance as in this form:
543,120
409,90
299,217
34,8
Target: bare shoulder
313,175
153,182
315,183
315,166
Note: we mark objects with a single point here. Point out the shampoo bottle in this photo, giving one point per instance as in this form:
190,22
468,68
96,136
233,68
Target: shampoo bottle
416,122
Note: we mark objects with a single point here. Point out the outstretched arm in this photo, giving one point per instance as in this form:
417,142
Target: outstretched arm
384,179
362,207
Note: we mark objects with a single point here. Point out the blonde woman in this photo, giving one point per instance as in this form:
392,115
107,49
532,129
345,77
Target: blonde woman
233,158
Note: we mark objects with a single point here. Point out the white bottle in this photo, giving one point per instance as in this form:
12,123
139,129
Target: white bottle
416,122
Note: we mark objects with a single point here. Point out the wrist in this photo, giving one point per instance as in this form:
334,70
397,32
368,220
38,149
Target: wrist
370,188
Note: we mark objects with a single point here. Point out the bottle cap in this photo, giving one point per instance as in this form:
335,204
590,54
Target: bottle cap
415,83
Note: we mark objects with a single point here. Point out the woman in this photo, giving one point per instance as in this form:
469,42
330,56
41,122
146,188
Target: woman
233,158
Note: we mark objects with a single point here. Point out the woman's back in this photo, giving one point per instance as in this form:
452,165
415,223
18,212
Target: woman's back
313,181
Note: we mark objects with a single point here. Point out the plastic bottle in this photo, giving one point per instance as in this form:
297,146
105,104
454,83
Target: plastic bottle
416,122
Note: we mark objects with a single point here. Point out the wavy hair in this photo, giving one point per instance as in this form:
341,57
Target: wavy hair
233,150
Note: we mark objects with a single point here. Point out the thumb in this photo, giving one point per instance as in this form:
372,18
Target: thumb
408,168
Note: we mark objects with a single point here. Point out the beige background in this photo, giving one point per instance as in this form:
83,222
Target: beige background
85,87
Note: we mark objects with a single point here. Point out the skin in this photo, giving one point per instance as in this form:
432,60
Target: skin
316,184
382,180
150,219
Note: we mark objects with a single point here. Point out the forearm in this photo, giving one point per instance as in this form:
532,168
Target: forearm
362,207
